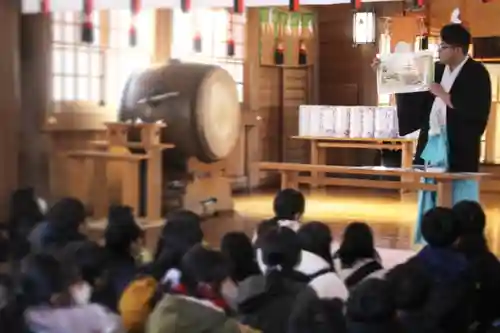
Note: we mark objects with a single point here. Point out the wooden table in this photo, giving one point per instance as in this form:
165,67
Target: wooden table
319,145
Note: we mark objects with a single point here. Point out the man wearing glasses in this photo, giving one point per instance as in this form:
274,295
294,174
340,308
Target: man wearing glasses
451,116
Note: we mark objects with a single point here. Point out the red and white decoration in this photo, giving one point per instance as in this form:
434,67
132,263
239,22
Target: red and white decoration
36,6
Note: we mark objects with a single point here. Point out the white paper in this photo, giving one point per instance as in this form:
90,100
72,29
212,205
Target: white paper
327,121
342,121
405,72
386,122
304,120
368,122
355,122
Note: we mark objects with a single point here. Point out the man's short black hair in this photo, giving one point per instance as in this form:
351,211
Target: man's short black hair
456,35
440,227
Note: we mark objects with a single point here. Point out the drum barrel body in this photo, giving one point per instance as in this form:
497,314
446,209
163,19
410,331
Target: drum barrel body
199,105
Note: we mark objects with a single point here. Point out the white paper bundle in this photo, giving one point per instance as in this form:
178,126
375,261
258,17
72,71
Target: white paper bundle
368,122
315,121
327,121
342,121
304,120
356,122
386,122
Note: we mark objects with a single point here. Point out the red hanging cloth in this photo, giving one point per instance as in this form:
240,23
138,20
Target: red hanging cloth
186,5
293,5
88,25
135,8
238,6
45,6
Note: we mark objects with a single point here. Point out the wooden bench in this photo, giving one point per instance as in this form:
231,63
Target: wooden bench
291,178
319,146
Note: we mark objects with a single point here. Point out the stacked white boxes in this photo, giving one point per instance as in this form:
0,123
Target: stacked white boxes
348,121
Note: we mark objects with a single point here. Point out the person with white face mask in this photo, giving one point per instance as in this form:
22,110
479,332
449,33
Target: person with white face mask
56,303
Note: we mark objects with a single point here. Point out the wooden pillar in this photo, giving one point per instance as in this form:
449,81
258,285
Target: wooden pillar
163,35
36,93
10,100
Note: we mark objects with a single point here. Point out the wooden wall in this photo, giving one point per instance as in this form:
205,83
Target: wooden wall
273,95
10,100
480,17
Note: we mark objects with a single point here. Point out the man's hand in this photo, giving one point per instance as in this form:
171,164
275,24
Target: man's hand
437,90
375,63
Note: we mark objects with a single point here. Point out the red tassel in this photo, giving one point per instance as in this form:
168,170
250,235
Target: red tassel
186,5
420,3
239,6
45,6
135,8
293,5
230,35
88,26
356,4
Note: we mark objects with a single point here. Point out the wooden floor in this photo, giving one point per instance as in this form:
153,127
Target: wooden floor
391,217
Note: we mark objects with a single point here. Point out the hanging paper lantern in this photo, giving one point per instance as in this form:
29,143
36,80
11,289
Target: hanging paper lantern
87,25
302,52
230,34
279,52
45,6
185,5
293,5
356,4
135,8
197,39
238,6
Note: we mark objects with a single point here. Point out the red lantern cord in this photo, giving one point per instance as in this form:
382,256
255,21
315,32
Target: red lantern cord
135,8
45,6
293,5
230,35
356,4
186,5
88,26
238,6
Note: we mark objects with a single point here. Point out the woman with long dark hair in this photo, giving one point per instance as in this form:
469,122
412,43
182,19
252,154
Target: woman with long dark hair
356,259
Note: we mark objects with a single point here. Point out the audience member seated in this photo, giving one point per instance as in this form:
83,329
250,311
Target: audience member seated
265,302
55,300
452,300
316,261
237,247
62,226
123,242
411,287
319,306
357,259
92,262
484,265
289,206
25,214
180,223
11,313
181,232
197,304
370,308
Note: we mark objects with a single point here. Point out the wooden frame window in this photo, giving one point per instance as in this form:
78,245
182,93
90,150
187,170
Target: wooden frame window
77,67
97,72
214,27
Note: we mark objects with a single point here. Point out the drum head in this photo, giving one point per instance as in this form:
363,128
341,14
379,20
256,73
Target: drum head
218,114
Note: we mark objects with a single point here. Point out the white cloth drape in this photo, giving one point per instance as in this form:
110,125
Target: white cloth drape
438,112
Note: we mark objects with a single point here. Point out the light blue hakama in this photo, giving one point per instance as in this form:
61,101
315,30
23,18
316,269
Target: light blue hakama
435,154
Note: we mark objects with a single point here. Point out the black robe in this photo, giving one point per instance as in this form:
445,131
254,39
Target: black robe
466,122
